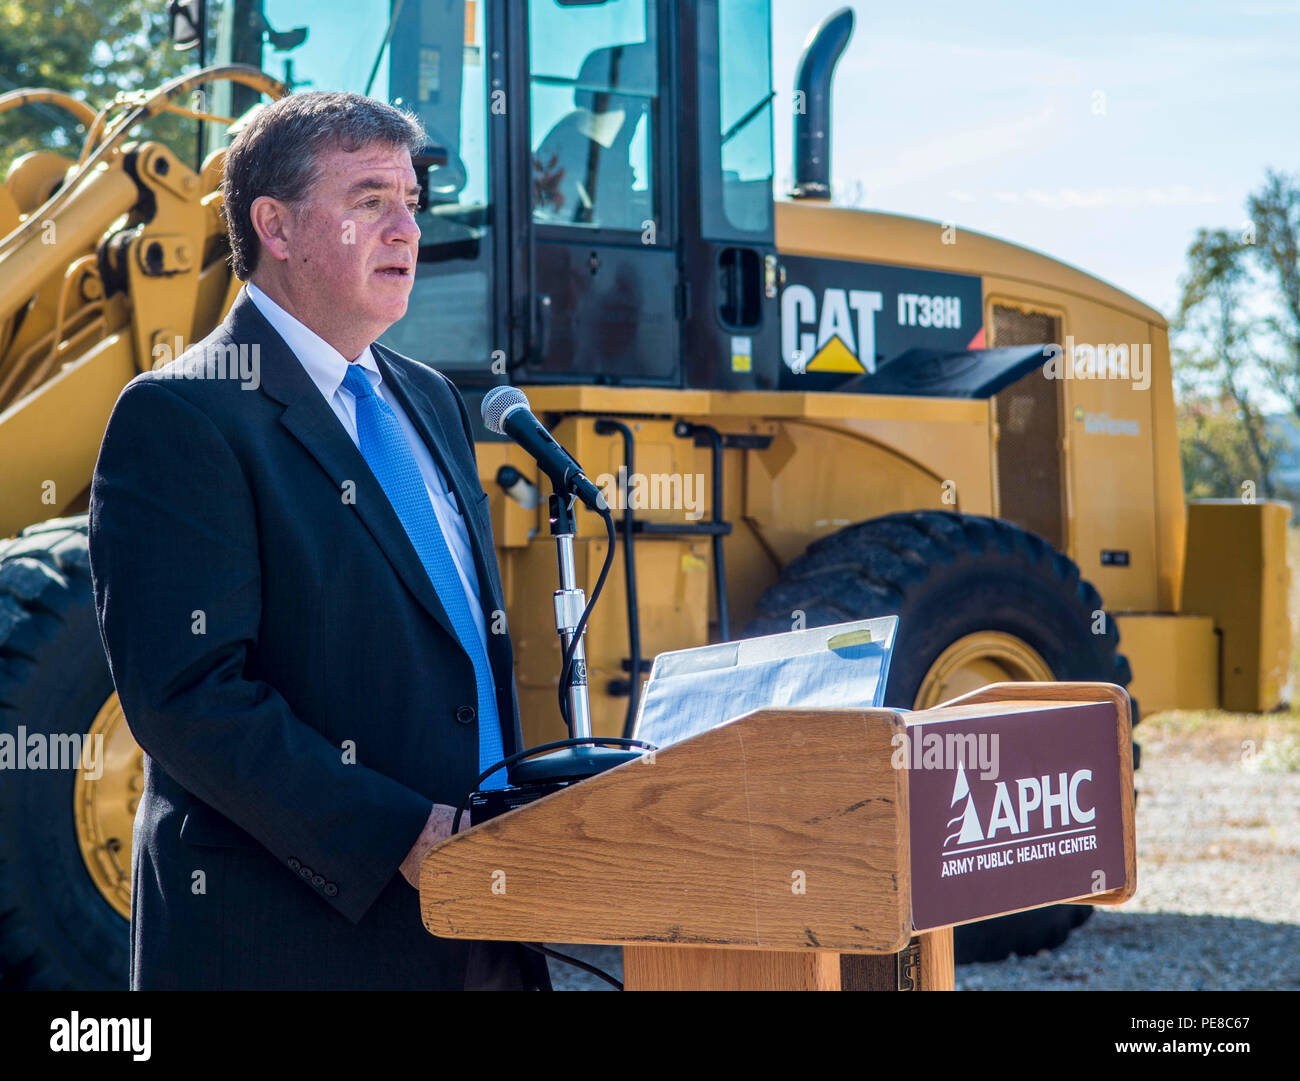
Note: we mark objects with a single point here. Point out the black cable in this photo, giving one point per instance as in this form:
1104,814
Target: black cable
510,760
566,669
564,958
605,426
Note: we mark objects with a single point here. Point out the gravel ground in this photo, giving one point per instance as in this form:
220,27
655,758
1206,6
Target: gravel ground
1218,901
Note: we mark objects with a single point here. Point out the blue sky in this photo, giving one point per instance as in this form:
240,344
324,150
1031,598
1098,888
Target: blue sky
1103,133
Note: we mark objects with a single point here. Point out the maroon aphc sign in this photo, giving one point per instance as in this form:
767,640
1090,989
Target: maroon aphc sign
1014,811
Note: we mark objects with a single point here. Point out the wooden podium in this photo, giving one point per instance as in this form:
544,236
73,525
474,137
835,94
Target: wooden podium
803,849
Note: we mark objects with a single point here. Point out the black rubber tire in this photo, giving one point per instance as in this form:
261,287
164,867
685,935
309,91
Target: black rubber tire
945,576
57,931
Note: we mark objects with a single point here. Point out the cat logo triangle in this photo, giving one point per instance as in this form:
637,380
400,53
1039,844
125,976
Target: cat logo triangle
835,356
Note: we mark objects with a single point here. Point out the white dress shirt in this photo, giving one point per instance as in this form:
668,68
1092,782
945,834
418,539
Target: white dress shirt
327,367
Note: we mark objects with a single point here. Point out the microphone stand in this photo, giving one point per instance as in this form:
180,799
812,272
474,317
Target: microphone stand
570,763
569,603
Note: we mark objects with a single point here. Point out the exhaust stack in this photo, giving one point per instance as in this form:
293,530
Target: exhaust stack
812,122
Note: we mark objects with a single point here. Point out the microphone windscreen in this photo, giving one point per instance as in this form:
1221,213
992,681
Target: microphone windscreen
499,401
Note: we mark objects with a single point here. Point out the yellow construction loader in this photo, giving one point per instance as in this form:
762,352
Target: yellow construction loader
801,414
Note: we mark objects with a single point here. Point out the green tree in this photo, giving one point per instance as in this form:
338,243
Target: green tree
1223,429
1275,217
91,49
1216,457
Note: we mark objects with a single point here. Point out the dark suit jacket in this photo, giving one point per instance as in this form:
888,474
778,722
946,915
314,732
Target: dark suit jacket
283,660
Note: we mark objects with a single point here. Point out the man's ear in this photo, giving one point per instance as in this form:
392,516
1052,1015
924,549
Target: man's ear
273,222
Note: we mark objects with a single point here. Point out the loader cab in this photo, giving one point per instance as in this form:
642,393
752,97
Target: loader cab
598,185
649,216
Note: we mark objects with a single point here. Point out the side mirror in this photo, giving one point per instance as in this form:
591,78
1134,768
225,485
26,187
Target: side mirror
186,23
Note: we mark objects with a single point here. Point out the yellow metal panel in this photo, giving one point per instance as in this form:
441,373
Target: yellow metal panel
1171,511
212,299
673,480
756,404
106,193
591,399
831,406
165,303
512,525
32,178
814,481
1175,660
959,454
75,404
532,579
1109,427
1237,573
1112,474
751,564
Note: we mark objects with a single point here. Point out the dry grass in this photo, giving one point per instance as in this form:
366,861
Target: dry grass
1264,741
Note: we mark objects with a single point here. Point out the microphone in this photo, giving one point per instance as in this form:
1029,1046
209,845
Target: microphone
506,412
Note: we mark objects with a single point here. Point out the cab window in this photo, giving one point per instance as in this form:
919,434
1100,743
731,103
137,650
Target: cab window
594,95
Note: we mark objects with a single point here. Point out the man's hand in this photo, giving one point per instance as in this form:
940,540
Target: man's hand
436,828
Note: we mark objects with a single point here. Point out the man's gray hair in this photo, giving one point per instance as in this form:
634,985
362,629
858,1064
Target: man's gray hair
278,152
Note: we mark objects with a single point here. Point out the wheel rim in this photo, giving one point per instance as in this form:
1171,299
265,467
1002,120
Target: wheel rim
105,806
977,660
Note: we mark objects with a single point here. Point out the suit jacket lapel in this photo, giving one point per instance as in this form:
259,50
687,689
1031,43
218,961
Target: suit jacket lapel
312,422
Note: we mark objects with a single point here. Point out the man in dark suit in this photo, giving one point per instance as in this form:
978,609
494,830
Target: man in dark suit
297,589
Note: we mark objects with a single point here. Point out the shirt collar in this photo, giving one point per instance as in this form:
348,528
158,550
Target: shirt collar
323,363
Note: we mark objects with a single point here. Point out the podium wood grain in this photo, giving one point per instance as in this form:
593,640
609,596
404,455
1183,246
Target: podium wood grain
699,968
782,830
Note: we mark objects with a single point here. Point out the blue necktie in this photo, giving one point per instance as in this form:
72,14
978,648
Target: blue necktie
389,455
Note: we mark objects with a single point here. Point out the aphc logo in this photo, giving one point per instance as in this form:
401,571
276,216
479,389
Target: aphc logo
1043,819
970,830
1049,824
1031,808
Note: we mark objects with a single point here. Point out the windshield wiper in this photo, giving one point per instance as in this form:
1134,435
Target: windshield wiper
388,36
758,108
